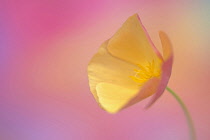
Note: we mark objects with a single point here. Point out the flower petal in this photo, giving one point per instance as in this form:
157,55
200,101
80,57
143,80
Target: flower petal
167,46
113,98
119,97
132,43
104,67
148,89
166,67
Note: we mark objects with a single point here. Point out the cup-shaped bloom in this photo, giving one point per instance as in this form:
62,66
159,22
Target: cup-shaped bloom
128,68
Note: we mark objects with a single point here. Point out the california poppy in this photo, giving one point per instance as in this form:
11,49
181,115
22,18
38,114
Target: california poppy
128,68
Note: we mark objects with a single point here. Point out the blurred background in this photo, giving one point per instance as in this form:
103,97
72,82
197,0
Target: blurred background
45,47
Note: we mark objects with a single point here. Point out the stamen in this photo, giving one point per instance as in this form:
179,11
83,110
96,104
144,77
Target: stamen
144,73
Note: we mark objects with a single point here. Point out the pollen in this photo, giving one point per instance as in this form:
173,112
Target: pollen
146,72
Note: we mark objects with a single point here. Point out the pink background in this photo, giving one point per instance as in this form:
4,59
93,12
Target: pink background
45,47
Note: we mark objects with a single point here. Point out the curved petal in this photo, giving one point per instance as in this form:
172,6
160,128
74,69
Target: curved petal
148,89
120,97
166,67
132,43
103,67
113,98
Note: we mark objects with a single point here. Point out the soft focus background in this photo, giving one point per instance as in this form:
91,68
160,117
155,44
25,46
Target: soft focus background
45,47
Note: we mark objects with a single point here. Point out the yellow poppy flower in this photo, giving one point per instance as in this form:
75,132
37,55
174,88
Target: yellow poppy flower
128,68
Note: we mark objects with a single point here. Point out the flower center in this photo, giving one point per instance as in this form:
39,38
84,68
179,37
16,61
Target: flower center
146,72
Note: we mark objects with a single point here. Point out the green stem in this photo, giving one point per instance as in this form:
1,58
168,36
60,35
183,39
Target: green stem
187,114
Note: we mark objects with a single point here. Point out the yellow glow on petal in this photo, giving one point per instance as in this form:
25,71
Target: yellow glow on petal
112,97
131,43
103,67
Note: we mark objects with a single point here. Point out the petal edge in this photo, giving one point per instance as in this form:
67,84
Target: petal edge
166,67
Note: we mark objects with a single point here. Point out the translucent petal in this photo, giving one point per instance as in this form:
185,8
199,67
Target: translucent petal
166,45
113,97
132,43
119,97
148,89
166,67
103,67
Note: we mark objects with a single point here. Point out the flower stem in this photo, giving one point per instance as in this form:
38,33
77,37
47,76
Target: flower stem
187,114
